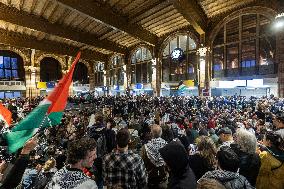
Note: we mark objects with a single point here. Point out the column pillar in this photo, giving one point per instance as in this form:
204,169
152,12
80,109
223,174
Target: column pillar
107,81
280,48
92,81
203,69
154,76
208,67
156,67
280,61
124,71
128,73
30,75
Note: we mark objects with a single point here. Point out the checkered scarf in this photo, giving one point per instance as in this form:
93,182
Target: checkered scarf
152,151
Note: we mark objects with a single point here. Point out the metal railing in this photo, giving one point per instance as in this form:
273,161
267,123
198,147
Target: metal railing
21,83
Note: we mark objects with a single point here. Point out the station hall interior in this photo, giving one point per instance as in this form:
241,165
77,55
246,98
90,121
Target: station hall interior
155,47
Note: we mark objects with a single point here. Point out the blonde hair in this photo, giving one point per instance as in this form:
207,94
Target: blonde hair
207,149
49,164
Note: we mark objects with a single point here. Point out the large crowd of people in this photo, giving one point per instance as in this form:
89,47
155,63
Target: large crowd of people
150,142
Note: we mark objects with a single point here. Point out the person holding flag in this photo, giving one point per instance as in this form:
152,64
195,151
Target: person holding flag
48,113
5,115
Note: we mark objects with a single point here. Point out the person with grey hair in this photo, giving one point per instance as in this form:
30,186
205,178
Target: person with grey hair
154,163
245,145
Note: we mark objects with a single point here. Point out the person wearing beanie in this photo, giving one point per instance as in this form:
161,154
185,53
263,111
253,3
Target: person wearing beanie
225,136
176,158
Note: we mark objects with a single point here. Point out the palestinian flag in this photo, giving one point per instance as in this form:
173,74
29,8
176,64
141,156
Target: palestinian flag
5,115
48,113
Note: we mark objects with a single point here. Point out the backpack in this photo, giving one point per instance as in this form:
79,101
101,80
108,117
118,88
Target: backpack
157,175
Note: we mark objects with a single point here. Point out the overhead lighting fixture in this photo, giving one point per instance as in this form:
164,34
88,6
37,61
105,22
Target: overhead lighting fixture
279,21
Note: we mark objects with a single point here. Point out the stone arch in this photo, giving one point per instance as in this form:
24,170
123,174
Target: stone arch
114,55
26,59
134,49
172,36
60,59
265,11
50,69
90,70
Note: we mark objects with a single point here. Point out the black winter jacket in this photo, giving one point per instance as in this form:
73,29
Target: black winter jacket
230,180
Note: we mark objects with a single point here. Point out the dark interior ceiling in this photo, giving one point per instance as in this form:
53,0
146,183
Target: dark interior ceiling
100,28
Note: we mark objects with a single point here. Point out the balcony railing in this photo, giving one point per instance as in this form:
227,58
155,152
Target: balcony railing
10,83
247,71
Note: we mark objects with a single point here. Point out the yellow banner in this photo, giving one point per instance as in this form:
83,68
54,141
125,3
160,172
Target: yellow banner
189,83
41,85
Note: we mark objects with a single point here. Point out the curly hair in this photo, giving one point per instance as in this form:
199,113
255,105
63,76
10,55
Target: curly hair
207,149
246,141
78,149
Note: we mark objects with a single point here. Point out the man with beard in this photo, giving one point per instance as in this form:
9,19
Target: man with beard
81,154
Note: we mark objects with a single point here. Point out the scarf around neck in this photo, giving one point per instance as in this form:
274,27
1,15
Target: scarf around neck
152,151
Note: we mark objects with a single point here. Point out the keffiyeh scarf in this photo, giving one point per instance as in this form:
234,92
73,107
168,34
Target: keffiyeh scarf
152,151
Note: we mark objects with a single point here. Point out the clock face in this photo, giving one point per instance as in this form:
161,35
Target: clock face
177,53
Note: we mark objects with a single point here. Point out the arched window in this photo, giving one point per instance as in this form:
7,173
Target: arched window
11,66
141,66
116,70
99,73
50,69
81,73
190,69
242,44
183,67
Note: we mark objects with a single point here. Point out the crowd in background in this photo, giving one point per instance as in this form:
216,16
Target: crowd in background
151,142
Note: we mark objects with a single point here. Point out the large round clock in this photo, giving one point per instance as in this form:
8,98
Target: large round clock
177,54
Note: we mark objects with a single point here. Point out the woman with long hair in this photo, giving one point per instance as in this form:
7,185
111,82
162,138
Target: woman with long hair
205,157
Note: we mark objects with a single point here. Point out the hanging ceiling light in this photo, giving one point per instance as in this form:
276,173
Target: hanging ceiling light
279,21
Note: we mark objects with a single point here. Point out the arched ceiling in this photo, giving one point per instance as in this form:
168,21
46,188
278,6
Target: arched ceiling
100,28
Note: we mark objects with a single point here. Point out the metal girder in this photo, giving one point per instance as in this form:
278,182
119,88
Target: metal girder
21,18
193,13
107,16
26,41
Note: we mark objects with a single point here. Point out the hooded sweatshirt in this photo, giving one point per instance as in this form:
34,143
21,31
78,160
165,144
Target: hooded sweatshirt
176,158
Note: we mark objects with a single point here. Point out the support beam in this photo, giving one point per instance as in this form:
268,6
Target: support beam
20,40
193,13
107,16
21,18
